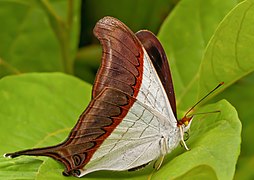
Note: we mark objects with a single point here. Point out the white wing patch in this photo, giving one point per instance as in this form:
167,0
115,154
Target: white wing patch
152,91
137,139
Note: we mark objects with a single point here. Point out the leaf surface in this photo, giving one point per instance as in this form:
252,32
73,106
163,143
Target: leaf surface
33,35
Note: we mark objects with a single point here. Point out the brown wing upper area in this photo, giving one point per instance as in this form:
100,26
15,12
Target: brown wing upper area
117,84
122,58
160,62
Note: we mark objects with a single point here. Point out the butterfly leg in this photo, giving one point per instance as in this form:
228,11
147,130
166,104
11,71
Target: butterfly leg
164,150
182,138
158,162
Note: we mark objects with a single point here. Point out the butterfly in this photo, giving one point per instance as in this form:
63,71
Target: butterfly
131,119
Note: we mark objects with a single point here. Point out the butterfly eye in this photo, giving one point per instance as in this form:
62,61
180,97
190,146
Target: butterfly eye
186,123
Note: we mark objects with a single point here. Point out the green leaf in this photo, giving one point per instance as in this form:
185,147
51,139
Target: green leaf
185,35
241,96
20,168
199,172
228,56
38,112
37,35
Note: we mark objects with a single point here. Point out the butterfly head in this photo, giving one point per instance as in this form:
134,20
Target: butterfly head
184,125
185,121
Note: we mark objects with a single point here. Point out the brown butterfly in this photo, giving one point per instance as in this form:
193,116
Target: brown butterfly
131,119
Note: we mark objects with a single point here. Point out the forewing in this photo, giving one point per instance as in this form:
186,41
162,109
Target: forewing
122,58
152,92
159,59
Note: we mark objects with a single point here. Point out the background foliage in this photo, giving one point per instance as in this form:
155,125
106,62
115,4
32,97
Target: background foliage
48,57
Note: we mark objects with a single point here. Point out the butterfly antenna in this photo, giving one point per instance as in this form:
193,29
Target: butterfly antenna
186,114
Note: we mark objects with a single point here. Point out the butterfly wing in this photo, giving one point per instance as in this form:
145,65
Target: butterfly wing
159,59
119,122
